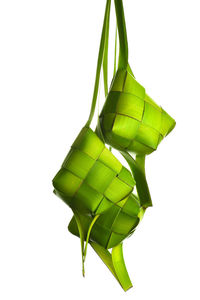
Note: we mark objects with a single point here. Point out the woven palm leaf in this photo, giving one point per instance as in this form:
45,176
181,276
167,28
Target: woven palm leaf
91,178
112,227
130,119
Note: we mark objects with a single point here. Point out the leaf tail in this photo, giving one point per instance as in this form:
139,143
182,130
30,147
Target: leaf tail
115,263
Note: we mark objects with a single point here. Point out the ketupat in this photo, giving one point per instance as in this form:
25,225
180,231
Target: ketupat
91,180
111,228
130,119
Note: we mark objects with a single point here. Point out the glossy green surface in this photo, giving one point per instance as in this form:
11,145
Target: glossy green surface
114,225
120,267
115,263
91,178
130,119
138,169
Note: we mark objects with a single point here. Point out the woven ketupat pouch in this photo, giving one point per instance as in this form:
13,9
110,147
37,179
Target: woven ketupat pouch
111,228
91,178
130,119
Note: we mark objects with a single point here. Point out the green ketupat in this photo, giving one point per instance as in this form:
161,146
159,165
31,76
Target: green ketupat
130,119
111,228
91,180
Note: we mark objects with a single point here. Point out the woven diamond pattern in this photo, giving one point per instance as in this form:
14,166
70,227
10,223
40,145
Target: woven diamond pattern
91,178
130,119
114,225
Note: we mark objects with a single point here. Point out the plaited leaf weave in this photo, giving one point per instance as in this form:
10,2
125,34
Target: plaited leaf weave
130,119
100,191
91,178
114,225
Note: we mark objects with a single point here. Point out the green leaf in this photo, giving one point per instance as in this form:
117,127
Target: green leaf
105,59
81,235
120,267
115,53
99,62
88,235
115,263
123,43
138,170
82,228
105,256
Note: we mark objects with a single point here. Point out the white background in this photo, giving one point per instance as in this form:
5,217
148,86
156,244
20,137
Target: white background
48,56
